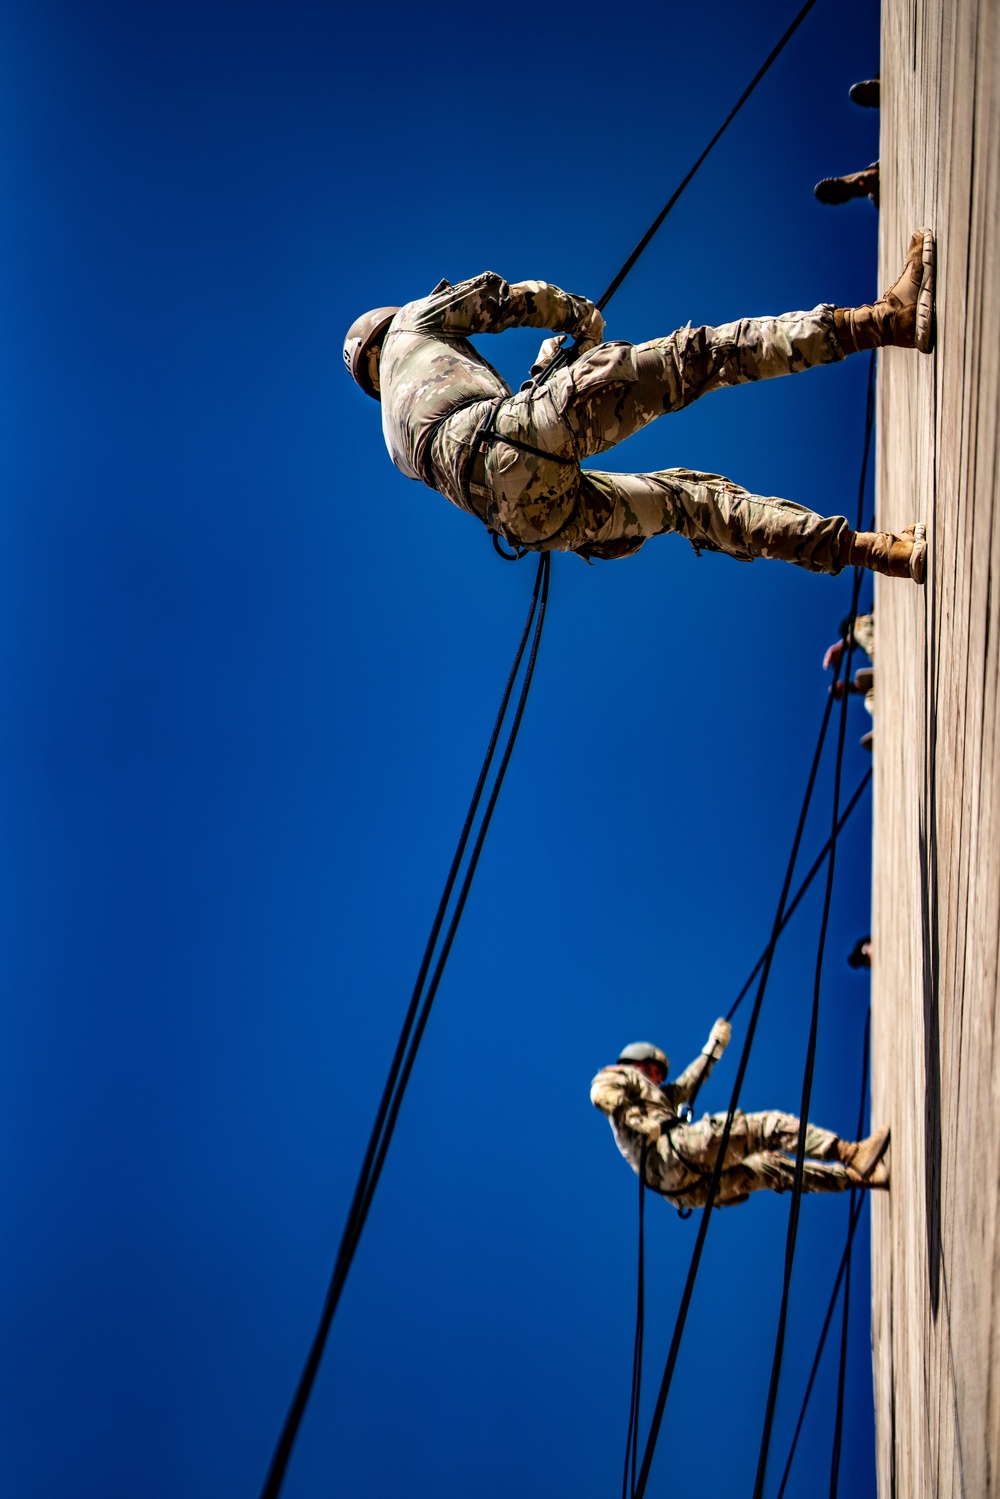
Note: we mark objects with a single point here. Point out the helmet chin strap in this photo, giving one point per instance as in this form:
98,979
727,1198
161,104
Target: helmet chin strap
374,355
363,347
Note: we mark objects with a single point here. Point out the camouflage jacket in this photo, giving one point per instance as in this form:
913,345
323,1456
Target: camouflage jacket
428,368
638,1110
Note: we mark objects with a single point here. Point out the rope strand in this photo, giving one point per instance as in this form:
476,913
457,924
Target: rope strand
686,1296
791,1239
678,1333
565,355
414,1023
790,911
854,1216
838,1425
632,1444
730,117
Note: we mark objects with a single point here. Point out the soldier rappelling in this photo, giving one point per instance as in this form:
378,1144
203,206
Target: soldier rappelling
513,461
644,1110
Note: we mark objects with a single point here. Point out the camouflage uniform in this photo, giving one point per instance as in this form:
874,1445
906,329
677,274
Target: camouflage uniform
439,395
680,1157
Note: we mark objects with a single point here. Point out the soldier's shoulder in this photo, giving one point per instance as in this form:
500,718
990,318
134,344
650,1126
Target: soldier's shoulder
613,1069
606,1086
617,1079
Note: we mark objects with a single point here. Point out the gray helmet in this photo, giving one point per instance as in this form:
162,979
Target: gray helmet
645,1051
363,345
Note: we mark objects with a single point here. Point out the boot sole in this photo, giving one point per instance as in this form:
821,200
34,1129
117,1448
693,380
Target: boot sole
868,1183
924,336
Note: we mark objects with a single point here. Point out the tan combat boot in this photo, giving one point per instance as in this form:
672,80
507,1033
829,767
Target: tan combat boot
836,190
903,556
862,1157
904,315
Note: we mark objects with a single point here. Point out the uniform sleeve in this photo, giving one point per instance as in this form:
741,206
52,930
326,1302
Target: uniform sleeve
607,1092
489,304
693,1076
619,1094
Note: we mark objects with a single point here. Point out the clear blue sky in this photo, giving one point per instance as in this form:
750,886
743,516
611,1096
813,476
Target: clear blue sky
249,671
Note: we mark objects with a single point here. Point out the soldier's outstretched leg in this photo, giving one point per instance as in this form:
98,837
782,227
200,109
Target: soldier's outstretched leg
774,1131
774,1172
775,1135
617,512
767,1170
615,389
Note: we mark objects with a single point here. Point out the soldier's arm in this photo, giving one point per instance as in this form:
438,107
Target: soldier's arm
683,1086
489,304
616,1091
608,1091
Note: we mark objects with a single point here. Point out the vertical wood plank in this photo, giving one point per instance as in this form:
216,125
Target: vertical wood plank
936,856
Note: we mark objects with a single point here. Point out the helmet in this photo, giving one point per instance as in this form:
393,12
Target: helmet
363,345
644,1051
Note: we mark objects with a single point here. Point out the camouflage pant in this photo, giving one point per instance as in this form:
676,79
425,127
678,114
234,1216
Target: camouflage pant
759,1155
550,503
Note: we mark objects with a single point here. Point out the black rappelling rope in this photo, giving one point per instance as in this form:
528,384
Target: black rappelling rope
857,1203
713,1186
654,226
566,354
692,1274
810,1065
794,903
804,1107
632,1444
855,1215
414,1023
633,1420
790,910
838,1425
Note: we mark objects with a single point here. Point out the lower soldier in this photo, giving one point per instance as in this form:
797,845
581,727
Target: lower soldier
680,1157
864,677
514,461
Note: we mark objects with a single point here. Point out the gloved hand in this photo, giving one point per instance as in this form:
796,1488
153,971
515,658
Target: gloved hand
550,348
588,338
718,1039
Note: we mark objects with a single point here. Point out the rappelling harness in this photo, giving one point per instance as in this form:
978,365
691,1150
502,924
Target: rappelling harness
682,1118
474,479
